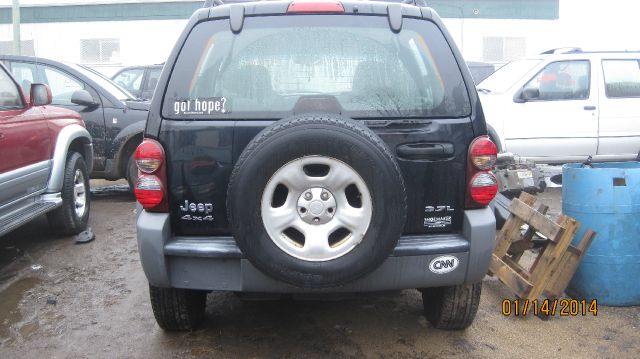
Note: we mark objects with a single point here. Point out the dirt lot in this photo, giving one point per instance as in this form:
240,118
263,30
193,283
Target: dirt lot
62,300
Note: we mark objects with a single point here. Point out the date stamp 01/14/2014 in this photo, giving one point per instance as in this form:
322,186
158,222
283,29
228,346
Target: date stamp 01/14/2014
550,307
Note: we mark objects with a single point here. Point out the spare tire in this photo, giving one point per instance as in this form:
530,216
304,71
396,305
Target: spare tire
316,201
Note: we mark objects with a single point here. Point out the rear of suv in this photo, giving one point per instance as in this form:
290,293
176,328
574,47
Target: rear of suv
323,147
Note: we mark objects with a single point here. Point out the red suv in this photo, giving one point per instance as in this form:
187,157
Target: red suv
46,156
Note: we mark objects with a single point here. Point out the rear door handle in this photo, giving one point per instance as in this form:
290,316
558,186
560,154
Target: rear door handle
425,150
589,108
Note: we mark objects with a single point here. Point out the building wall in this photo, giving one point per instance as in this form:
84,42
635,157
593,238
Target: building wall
519,37
140,42
490,30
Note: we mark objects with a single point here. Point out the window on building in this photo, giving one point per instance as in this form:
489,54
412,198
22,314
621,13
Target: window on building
26,47
622,78
503,49
562,80
100,51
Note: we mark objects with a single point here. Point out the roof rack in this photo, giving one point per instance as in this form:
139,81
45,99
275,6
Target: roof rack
562,50
408,2
422,3
210,3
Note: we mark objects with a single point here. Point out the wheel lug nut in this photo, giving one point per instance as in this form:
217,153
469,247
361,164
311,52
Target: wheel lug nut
308,196
324,196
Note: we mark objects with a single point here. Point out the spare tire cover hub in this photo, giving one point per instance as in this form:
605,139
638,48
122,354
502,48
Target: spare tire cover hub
316,206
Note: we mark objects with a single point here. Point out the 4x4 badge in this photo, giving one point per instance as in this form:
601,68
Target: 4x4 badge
197,211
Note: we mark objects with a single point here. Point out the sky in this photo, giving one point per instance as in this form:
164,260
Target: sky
601,25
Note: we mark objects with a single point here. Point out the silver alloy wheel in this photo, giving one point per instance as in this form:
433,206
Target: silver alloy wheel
79,193
324,216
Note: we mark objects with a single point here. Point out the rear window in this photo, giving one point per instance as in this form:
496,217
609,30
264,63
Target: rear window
281,65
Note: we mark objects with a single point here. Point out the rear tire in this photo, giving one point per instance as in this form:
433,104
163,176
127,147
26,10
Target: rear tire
178,309
72,217
452,307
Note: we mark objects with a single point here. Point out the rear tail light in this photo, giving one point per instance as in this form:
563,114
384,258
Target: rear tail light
150,189
483,185
483,153
311,6
149,156
483,188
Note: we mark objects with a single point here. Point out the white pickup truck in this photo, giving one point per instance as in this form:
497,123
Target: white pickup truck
564,106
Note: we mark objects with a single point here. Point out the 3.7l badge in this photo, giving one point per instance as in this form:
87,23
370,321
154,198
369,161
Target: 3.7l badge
437,216
429,209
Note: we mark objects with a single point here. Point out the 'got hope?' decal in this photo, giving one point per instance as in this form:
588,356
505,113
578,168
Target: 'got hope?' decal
200,106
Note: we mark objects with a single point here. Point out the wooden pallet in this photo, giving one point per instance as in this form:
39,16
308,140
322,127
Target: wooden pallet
557,261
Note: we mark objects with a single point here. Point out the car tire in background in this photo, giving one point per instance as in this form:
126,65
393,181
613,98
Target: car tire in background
493,136
178,309
452,307
132,171
73,215
354,213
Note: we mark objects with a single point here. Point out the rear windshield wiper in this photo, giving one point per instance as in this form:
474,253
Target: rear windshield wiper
483,90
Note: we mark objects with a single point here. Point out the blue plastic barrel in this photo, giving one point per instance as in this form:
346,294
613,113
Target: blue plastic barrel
606,199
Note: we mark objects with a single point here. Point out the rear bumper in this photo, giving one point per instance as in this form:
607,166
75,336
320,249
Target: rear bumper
216,263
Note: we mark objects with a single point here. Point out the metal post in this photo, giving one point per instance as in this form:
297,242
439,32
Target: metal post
16,27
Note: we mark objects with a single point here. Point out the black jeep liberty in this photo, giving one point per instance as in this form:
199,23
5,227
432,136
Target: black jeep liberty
315,146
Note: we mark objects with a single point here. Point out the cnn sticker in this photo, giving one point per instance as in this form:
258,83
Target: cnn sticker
444,264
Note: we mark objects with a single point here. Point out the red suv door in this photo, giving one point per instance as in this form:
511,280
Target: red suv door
25,146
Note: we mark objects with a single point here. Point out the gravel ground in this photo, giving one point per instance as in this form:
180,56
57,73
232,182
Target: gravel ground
62,300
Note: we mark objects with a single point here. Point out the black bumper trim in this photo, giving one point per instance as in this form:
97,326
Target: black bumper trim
225,247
